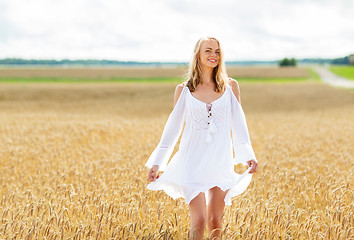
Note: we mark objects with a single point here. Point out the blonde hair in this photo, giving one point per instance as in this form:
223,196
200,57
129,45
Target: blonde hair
195,72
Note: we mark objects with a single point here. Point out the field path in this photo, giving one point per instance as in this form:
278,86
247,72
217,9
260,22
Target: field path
332,79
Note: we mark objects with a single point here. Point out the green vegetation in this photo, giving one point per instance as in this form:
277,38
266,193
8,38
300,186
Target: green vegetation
313,75
343,60
271,80
134,80
344,71
287,62
83,80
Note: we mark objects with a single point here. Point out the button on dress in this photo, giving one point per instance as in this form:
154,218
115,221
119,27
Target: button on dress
212,132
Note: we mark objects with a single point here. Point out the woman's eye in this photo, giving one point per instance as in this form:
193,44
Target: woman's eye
217,52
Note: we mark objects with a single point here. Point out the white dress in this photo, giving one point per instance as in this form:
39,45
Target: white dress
205,155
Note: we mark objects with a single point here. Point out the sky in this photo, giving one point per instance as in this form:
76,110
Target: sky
167,30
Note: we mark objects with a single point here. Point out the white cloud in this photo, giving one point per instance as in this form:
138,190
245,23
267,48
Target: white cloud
166,30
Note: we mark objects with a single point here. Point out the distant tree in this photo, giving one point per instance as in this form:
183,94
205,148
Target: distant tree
341,61
287,62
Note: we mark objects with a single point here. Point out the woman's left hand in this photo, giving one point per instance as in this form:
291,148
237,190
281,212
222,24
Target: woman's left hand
253,164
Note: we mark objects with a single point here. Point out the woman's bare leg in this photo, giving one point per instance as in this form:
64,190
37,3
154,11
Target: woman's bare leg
215,211
197,209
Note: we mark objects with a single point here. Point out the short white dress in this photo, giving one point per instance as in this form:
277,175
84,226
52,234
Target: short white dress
212,132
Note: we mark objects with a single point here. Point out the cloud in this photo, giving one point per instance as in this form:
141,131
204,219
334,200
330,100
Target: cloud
166,30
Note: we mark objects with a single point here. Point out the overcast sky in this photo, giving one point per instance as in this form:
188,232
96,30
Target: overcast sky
166,30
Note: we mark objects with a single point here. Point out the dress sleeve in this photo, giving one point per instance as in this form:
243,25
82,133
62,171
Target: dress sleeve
240,137
170,135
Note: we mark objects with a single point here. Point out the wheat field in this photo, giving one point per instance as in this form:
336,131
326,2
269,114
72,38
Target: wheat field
73,155
147,72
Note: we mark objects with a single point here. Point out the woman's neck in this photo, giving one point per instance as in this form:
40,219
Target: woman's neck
207,76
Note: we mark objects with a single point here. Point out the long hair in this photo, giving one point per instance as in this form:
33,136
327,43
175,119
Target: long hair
195,72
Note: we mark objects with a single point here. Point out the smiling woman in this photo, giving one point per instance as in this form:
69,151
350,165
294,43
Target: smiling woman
208,58
202,170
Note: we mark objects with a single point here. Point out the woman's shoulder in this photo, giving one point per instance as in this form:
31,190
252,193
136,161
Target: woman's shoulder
178,91
232,83
180,87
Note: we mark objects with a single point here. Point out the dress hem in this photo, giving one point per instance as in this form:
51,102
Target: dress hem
178,191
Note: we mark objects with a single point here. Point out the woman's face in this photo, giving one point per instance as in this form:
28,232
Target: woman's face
209,54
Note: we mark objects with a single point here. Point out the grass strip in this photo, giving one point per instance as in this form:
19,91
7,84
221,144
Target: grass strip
135,80
343,71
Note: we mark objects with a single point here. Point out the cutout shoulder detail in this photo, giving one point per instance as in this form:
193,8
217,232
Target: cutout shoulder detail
178,92
235,89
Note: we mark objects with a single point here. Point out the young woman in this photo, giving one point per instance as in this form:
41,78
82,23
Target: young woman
202,170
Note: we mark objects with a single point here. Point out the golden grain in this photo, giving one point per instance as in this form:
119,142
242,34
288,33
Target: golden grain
72,161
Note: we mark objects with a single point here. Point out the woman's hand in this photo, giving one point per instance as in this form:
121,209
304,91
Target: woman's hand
152,174
253,164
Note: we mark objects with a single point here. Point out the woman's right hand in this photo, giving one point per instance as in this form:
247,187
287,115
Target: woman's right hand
152,174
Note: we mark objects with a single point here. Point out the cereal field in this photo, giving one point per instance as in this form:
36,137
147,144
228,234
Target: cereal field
147,72
73,155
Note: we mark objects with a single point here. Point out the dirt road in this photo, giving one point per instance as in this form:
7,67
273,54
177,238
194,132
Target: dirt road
332,79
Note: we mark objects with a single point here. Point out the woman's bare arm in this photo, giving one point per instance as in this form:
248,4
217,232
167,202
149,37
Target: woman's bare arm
178,91
235,88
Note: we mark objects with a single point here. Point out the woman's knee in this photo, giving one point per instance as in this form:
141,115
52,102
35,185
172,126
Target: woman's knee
199,222
197,209
214,221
